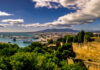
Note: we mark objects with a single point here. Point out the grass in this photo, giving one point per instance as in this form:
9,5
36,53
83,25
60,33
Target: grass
88,51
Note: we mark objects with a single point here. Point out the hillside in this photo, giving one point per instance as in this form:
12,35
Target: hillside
89,52
58,30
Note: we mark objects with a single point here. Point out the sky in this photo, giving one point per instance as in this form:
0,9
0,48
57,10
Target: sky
35,15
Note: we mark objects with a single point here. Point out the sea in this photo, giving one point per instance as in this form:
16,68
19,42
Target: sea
6,37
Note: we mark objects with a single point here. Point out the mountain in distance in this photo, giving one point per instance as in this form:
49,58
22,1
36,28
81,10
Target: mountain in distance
96,31
57,30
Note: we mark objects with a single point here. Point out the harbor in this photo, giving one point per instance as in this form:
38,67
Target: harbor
25,39
21,39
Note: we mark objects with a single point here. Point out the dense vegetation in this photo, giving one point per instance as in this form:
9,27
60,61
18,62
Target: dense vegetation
38,57
79,38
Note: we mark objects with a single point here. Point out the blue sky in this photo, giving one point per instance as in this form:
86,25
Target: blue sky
26,10
89,27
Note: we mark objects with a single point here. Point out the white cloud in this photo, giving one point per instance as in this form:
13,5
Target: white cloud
13,21
46,3
86,11
59,3
32,25
4,25
86,14
4,14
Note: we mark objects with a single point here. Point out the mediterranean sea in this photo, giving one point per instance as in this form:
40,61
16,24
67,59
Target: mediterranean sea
22,39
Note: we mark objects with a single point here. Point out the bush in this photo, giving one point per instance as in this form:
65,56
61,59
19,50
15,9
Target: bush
65,51
68,38
23,61
38,57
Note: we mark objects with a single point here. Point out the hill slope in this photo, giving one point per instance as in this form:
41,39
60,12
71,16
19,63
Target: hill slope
58,30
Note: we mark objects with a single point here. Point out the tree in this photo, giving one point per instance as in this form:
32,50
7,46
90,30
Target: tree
5,63
81,36
39,50
66,46
34,45
88,36
75,39
8,49
23,61
76,66
68,38
50,41
38,57
46,62
65,51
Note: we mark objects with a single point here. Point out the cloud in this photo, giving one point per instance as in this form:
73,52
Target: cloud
4,25
59,3
32,25
86,11
46,3
13,21
4,14
86,14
